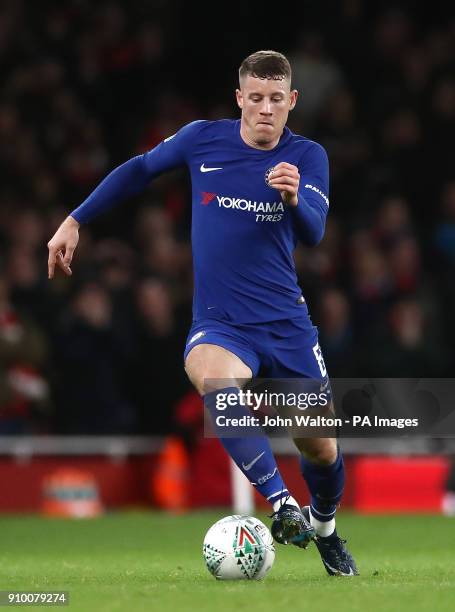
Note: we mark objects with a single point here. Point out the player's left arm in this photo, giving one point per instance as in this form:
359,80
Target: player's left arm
304,188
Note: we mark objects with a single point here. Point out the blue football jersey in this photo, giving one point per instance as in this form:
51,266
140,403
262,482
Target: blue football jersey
243,236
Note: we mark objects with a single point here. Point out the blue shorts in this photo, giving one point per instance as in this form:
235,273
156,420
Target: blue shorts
276,349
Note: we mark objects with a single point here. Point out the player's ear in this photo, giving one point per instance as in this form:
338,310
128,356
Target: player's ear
293,99
239,97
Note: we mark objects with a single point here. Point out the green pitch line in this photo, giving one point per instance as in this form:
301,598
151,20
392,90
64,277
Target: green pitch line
151,561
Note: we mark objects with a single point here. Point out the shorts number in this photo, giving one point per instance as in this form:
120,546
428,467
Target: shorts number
320,359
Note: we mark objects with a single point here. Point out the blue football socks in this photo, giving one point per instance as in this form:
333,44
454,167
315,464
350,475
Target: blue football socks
326,483
251,451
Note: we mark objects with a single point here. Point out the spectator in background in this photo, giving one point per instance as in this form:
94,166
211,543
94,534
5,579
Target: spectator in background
28,288
442,123
163,255
402,349
371,282
443,254
157,379
25,400
405,265
393,222
336,333
25,230
314,74
116,271
92,358
341,132
402,151
323,266
444,236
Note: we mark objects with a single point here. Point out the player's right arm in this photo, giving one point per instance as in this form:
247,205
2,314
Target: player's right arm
125,181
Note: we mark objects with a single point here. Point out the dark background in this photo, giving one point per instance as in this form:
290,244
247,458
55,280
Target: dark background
86,86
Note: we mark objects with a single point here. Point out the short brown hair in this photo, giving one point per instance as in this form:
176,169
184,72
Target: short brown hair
266,65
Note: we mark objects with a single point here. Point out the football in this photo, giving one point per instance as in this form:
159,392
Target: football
239,548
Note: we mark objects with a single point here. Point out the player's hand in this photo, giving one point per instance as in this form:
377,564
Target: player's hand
62,245
286,178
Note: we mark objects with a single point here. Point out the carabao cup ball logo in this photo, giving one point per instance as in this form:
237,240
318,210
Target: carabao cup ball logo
268,174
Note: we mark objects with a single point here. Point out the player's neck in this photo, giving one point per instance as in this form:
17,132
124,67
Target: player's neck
248,138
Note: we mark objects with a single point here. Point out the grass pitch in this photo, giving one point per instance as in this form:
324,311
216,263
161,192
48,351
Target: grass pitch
152,561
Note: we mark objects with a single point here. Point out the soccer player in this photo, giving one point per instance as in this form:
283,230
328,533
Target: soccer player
257,188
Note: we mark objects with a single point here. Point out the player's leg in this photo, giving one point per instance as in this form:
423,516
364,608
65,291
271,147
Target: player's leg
251,453
322,467
213,363
299,356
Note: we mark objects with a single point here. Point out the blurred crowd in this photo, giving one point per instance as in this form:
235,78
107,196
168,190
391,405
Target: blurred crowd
85,87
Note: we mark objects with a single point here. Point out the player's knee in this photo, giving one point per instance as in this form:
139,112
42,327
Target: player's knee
196,378
322,453
210,368
205,377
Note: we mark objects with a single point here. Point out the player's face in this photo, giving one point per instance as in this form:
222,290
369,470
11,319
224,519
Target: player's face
265,105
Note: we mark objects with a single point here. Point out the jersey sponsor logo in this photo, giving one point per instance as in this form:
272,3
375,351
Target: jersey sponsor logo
207,197
264,211
204,169
250,205
323,196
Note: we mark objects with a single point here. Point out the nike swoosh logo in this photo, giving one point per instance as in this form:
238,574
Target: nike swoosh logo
204,169
248,466
338,572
